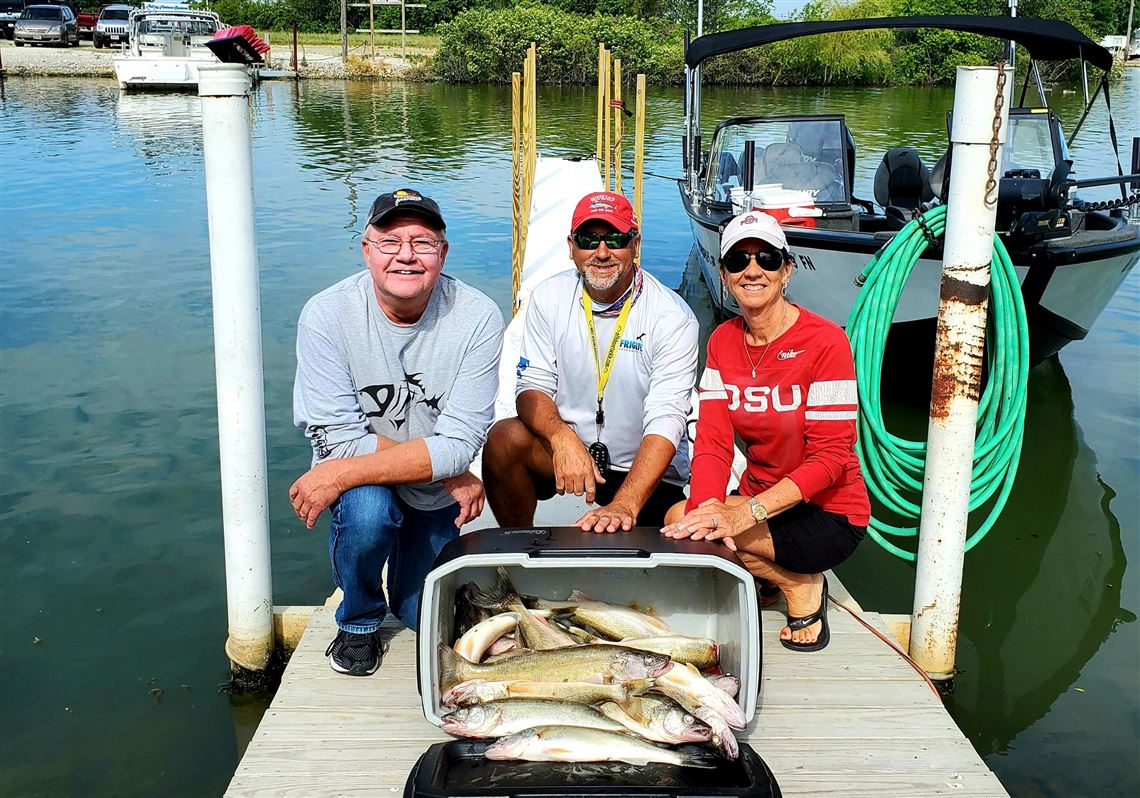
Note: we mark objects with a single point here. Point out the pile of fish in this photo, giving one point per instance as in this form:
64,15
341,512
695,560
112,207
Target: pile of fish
581,680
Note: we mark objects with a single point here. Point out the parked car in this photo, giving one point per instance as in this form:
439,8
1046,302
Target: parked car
41,24
10,11
111,29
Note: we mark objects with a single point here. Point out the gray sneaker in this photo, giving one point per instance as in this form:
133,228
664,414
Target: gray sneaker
356,654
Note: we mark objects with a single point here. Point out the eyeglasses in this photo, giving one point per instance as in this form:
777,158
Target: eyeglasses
768,260
613,240
391,246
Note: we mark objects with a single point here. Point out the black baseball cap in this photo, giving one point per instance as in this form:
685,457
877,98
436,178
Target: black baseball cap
406,200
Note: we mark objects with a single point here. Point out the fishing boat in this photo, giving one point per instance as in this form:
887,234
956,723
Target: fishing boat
168,42
1070,254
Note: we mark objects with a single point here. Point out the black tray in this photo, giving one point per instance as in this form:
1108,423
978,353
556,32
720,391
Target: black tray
459,769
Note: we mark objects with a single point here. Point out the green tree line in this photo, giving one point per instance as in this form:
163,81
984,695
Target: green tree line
484,40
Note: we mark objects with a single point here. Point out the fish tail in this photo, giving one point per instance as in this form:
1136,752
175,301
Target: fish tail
453,668
697,756
498,596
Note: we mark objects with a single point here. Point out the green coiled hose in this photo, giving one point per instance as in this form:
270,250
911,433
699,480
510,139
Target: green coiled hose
892,466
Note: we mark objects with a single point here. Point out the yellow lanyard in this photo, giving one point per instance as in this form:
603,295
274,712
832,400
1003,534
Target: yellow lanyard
603,372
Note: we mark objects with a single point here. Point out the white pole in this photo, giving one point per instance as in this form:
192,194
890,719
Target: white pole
957,370
224,89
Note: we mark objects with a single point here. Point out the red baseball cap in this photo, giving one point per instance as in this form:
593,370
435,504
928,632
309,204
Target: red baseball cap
604,206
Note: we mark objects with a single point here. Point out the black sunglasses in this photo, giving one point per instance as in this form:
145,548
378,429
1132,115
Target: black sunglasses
613,240
766,259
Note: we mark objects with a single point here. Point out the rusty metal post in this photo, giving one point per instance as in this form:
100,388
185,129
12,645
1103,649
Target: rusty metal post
296,63
978,130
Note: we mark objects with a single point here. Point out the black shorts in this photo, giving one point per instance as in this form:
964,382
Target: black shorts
809,540
664,496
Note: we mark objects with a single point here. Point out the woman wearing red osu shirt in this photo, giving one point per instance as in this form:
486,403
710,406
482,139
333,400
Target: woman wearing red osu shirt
782,378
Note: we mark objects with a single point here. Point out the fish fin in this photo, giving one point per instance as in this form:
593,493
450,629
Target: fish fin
452,667
578,595
639,686
697,756
498,596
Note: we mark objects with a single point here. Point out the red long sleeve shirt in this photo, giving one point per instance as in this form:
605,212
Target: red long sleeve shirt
796,418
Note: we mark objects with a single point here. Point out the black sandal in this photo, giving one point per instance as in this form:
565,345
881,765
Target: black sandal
820,615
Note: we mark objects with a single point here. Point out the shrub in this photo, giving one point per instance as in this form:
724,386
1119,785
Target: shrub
487,45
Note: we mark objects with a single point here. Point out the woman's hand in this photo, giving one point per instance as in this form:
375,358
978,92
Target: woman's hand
713,520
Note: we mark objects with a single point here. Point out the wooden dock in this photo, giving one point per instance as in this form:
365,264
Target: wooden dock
852,720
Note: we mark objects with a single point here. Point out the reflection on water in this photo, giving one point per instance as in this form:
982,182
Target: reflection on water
110,536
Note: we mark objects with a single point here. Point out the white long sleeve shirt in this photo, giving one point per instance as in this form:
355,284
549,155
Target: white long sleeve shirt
650,389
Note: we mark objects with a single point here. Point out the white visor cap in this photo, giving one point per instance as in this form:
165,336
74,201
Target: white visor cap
752,224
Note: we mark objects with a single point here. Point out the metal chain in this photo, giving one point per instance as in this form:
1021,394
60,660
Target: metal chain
999,102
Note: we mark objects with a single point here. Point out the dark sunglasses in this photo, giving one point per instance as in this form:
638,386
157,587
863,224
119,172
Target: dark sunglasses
613,240
766,259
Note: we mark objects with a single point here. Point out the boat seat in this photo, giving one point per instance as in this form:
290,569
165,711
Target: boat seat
784,163
777,160
902,180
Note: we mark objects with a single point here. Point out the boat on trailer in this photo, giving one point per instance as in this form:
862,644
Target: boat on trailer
1070,255
168,42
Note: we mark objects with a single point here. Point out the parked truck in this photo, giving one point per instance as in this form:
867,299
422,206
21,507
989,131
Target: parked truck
87,19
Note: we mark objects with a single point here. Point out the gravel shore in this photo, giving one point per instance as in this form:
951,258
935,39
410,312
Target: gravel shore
317,61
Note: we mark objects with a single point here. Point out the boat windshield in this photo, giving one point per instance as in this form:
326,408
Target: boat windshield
195,27
1029,144
795,154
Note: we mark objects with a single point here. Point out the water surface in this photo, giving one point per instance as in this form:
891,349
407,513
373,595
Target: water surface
111,565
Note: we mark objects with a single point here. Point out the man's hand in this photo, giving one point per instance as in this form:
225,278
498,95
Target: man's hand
574,469
467,489
316,490
614,516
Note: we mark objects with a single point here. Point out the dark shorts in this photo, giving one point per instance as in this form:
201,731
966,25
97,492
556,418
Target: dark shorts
664,496
808,540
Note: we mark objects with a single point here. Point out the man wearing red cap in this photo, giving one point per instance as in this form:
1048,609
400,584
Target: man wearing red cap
607,367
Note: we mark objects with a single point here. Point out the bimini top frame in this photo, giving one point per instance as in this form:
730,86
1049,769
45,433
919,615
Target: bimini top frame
1044,39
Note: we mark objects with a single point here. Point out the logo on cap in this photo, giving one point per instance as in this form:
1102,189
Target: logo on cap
403,195
749,219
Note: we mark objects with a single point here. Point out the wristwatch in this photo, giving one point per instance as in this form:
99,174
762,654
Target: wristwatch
759,511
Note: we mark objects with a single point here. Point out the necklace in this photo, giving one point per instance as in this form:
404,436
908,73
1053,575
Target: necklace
775,335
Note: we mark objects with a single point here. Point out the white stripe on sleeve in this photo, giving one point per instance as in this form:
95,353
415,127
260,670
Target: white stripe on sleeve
829,415
711,387
832,392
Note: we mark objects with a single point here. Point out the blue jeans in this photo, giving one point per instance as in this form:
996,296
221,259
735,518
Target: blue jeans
371,525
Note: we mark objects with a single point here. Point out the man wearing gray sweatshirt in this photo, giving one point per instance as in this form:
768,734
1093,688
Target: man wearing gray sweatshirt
397,370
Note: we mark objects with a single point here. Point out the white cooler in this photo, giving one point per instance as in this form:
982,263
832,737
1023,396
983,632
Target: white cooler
698,588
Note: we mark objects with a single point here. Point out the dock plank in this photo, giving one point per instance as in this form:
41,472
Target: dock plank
852,720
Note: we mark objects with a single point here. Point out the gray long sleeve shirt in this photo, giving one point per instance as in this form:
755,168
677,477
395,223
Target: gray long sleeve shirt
360,375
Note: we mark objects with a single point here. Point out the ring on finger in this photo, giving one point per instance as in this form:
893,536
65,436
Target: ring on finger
715,522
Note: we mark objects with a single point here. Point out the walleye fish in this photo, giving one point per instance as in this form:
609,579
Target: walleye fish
612,620
576,664
537,633
702,652
688,688
657,719
727,682
722,737
482,635
482,692
504,718
569,744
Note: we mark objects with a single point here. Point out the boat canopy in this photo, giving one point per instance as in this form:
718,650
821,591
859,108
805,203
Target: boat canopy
1045,39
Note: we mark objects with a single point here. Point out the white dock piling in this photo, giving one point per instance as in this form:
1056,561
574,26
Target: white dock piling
970,220
224,89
